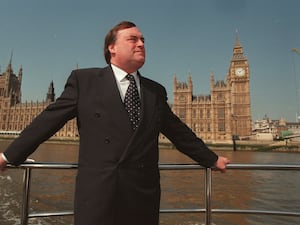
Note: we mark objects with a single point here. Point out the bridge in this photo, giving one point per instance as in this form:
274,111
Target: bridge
295,135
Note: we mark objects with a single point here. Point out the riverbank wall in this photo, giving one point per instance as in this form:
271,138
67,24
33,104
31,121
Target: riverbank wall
239,145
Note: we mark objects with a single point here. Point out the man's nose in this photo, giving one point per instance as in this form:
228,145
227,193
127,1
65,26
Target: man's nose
141,41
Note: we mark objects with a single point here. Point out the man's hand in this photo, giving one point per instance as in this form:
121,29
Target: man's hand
2,163
221,164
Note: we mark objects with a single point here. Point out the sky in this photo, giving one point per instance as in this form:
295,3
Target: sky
50,38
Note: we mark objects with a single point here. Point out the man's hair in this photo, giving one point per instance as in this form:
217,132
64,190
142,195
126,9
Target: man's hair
111,37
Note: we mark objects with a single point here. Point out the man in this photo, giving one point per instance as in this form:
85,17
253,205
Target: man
118,176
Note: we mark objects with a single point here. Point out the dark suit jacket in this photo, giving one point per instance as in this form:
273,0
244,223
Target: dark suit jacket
118,176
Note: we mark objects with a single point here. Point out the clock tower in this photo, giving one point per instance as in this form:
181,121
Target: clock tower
238,78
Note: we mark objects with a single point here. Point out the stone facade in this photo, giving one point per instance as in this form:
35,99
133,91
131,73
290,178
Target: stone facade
15,115
224,113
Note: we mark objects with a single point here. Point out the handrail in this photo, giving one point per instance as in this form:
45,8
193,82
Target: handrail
28,166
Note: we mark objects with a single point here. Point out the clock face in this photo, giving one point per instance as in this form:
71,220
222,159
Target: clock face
240,72
181,98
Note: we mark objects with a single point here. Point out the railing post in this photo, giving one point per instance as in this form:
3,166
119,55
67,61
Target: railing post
26,190
208,178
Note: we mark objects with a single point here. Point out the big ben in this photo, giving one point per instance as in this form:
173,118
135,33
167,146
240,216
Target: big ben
239,80
224,113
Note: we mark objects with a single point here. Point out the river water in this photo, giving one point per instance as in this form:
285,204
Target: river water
53,190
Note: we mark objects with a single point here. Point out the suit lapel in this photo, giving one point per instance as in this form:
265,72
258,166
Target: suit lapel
148,100
114,103
112,100
148,103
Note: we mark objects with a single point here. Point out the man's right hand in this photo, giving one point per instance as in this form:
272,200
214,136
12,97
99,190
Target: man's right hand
2,163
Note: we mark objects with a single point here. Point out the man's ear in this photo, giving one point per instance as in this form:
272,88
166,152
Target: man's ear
111,48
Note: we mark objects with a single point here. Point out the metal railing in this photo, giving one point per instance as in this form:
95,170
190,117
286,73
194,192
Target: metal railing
208,210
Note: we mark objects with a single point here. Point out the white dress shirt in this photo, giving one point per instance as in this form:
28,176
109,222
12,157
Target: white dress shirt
123,82
3,157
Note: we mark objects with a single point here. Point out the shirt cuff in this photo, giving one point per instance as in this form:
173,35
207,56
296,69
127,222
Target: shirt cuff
4,157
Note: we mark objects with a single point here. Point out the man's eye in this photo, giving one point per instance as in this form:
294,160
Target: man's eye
136,39
133,39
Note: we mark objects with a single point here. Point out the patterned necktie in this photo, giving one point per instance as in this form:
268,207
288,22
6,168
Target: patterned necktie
132,102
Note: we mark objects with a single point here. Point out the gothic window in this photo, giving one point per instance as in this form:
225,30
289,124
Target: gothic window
208,113
221,126
220,97
201,113
208,127
181,113
194,127
181,98
221,113
194,113
201,127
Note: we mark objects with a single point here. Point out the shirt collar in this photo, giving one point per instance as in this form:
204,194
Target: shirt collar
121,74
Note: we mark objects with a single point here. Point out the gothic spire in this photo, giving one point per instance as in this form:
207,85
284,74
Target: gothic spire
237,41
50,94
238,49
9,66
190,82
20,74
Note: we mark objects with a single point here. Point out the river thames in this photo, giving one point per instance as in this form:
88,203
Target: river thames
52,190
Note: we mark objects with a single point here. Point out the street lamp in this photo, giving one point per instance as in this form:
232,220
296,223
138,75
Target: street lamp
234,135
296,51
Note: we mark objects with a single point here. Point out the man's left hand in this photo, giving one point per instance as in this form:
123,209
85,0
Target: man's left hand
221,163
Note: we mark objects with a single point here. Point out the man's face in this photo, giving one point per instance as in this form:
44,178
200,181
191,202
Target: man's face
128,51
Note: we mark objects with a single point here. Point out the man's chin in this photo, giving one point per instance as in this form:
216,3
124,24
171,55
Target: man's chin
141,61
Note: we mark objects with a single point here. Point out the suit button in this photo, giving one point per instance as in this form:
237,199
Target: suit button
106,141
97,115
141,165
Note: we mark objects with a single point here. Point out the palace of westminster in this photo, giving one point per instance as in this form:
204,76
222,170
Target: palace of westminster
221,115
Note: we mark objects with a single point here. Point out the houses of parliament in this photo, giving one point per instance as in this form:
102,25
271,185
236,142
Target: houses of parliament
223,114
16,115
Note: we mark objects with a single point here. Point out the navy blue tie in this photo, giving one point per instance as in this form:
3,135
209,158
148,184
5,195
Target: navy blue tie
132,102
